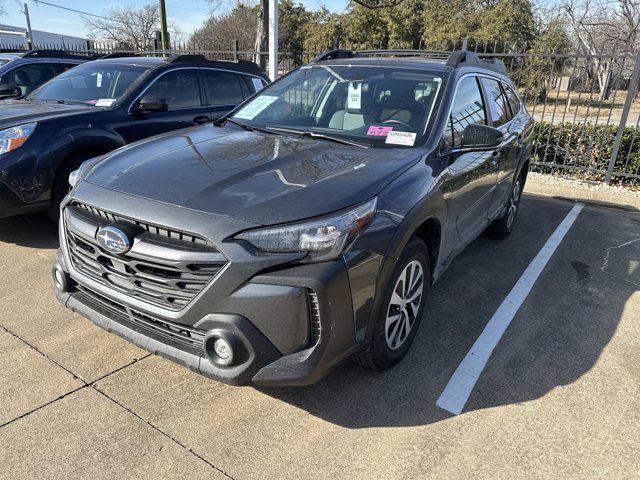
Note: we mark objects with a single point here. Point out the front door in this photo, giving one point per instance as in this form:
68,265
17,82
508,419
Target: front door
180,90
470,176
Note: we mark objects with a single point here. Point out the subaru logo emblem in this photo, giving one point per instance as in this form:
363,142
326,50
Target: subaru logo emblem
113,240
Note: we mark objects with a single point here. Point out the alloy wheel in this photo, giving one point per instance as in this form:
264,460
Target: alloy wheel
404,305
513,203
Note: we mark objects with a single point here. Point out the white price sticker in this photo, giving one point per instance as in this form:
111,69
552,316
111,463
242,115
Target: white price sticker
401,138
255,107
105,102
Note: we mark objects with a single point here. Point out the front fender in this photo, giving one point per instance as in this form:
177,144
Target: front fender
432,205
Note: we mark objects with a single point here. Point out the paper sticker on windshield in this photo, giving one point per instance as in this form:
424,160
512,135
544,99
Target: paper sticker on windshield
379,131
105,102
401,138
256,106
354,98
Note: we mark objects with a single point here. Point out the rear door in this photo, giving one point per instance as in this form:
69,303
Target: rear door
507,157
224,90
470,176
181,90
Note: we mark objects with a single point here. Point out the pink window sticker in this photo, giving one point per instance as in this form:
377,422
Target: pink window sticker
379,131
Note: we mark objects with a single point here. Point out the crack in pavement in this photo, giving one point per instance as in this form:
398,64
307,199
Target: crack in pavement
94,387
605,263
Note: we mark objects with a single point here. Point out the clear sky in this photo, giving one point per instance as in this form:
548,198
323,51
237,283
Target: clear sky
188,14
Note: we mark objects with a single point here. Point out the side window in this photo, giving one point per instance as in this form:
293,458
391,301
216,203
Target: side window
63,67
224,87
258,84
28,77
514,100
498,108
467,109
179,89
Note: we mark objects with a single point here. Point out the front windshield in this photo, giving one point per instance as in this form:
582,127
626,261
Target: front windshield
93,83
374,106
4,61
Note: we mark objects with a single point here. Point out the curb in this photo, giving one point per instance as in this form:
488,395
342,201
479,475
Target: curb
608,199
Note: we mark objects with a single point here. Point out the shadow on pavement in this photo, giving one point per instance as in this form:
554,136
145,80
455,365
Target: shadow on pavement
34,231
557,336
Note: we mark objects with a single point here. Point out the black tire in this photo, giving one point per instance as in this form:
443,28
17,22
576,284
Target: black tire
380,355
502,226
60,185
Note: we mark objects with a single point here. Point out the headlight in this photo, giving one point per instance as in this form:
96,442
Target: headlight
14,137
325,238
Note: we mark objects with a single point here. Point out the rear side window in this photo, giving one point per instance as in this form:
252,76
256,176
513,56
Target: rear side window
224,87
178,89
512,97
258,84
497,99
467,109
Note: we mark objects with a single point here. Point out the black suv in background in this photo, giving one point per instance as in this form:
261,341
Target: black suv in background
23,72
100,106
305,231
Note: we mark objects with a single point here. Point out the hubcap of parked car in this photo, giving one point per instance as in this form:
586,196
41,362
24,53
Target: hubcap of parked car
404,305
513,204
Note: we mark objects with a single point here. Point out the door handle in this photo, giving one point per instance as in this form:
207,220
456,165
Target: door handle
201,119
495,155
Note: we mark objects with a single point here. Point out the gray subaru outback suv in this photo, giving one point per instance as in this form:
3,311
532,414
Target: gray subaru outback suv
306,227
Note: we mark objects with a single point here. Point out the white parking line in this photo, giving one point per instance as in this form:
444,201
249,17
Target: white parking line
456,393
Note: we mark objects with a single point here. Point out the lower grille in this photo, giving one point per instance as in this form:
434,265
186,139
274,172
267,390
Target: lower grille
316,326
180,336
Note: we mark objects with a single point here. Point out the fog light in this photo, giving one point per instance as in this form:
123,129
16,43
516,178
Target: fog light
223,351
60,278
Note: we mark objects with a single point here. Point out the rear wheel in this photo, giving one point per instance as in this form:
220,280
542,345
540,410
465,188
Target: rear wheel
405,296
502,226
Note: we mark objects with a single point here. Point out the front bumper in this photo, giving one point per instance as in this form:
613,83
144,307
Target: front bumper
261,363
11,205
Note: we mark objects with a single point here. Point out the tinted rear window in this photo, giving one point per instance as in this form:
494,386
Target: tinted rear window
498,109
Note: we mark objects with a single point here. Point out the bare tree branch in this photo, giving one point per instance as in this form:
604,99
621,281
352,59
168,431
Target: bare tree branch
126,26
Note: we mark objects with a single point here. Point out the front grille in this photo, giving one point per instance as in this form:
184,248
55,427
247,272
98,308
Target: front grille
180,336
151,228
170,281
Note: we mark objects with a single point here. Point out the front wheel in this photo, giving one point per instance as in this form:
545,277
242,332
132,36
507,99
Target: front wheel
60,186
405,297
502,226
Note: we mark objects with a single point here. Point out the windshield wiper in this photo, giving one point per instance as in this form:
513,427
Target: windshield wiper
309,133
250,128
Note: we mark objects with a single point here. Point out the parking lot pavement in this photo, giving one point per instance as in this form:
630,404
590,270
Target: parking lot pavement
558,398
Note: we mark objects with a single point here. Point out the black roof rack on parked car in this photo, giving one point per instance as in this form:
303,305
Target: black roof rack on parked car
244,64
57,54
455,59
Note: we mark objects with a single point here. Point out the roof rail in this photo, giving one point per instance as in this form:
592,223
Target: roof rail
454,59
115,55
243,64
55,53
333,55
461,58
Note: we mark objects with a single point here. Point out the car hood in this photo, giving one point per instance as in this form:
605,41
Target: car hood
260,178
17,112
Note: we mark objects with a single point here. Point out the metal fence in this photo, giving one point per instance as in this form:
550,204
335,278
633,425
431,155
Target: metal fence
586,107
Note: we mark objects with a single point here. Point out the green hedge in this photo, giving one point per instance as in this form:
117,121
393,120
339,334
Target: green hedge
587,146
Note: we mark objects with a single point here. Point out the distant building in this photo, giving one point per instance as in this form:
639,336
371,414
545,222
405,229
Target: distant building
40,38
